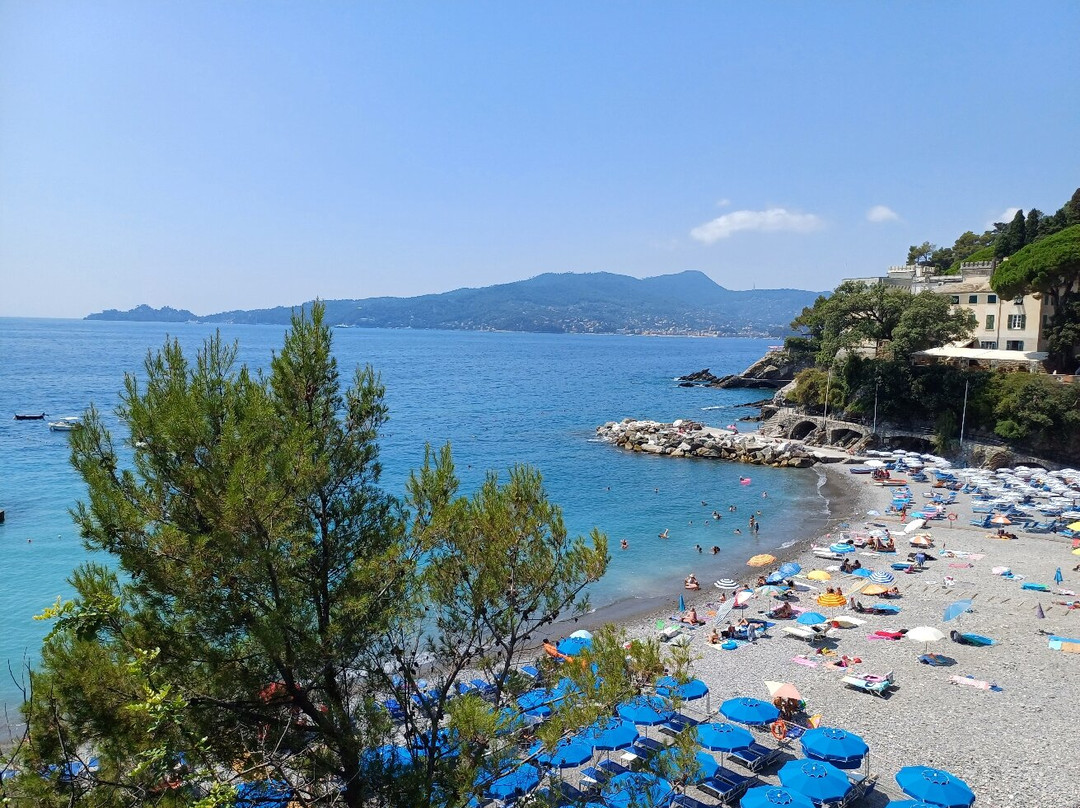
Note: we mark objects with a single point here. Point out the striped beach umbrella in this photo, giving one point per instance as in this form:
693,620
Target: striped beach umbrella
842,548
882,577
726,583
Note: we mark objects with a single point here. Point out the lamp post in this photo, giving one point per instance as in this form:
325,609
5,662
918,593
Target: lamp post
963,416
877,384
825,417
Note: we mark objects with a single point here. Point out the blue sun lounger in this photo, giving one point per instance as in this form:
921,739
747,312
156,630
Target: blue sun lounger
756,758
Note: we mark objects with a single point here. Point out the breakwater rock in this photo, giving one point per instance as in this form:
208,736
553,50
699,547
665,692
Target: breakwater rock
685,438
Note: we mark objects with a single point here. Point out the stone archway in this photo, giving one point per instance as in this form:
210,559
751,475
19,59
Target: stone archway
844,436
802,429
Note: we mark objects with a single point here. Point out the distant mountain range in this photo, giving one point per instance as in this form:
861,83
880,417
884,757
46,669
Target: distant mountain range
598,302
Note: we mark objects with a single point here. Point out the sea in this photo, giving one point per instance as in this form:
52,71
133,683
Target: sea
497,398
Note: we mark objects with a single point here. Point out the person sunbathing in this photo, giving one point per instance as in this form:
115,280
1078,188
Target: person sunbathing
892,593
783,611
691,582
714,638
691,617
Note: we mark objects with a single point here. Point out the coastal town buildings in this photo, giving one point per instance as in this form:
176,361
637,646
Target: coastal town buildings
1009,332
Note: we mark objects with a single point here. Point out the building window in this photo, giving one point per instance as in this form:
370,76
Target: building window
973,298
988,345
1019,300
990,322
991,298
1017,322
1014,345
955,299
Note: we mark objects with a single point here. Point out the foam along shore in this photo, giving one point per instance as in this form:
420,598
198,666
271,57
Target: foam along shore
684,438
1002,717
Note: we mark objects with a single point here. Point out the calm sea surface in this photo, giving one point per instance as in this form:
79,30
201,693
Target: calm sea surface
498,398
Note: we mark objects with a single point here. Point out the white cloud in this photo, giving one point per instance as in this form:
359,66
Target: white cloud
1005,216
723,203
882,213
772,220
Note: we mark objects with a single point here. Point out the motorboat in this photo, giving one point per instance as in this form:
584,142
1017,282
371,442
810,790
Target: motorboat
21,417
65,424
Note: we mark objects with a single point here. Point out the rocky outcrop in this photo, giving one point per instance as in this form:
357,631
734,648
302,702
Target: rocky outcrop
773,371
691,439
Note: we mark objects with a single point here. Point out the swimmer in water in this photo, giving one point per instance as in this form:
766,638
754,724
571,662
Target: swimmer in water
663,535
624,544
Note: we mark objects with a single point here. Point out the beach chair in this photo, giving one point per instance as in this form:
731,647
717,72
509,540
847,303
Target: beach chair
756,758
397,714
803,633
874,685
728,787
677,723
686,801
485,689
531,671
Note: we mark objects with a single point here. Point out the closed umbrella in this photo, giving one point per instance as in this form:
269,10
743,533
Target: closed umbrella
935,786
882,577
761,560
682,604
1057,576
811,618
749,711
817,779
954,610
835,745
773,797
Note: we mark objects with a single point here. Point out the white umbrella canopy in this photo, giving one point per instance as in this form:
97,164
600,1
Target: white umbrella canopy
925,635
874,464
914,525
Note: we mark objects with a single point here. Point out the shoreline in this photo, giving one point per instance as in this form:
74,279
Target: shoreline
931,718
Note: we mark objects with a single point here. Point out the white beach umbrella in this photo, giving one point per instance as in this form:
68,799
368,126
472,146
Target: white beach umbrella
914,525
875,464
925,635
882,577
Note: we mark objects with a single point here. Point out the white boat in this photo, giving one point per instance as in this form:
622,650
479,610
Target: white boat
65,424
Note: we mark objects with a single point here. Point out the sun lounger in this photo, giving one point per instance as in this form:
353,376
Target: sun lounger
394,708
483,688
756,758
875,685
809,633
686,801
727,786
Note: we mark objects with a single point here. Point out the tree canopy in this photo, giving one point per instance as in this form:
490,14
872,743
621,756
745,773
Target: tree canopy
272,615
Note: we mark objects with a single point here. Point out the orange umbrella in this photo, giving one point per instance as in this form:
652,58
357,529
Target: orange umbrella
875,589
831,599
761,560
1001,519
783,690
818,575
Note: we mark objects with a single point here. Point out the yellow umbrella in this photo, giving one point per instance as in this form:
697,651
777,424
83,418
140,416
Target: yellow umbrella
1075,525
761,560
1076,551
874,589
818,575
831,599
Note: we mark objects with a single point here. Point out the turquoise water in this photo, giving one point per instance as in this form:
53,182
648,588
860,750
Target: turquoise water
498,398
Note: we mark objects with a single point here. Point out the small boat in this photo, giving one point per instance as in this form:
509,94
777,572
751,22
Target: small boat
20,417
65,424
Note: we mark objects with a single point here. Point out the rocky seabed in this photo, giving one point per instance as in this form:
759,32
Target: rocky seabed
690,439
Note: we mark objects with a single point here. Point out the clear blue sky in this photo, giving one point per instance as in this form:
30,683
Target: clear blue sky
212,156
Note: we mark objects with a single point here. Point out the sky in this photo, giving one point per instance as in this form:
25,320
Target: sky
235,155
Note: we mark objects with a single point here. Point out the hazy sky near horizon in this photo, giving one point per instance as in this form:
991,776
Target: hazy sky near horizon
221,155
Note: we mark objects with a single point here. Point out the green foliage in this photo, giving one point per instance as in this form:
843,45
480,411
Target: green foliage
1050,265
1012,238
982,254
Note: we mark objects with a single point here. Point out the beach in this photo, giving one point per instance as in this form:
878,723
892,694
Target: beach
1012,742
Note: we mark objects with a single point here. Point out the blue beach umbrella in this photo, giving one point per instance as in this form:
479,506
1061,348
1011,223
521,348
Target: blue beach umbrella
567,753
687,691
954,610
882,577
835,745
774,577
572,646
935,786
818,780
264,794
910,804
532,699
789,569
646,710
514,783
389,755
703,767
811,618
842,548
749,711
862,572
635,789
722,737
611,734
773,797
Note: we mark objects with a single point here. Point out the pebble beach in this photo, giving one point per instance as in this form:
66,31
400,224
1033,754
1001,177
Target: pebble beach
1002,717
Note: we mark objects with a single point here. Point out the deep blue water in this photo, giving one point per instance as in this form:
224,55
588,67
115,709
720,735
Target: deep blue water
498,398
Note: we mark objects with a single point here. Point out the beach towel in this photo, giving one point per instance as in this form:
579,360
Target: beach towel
978,684
1058,643
961,566
1071,647
804,661
1035,587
